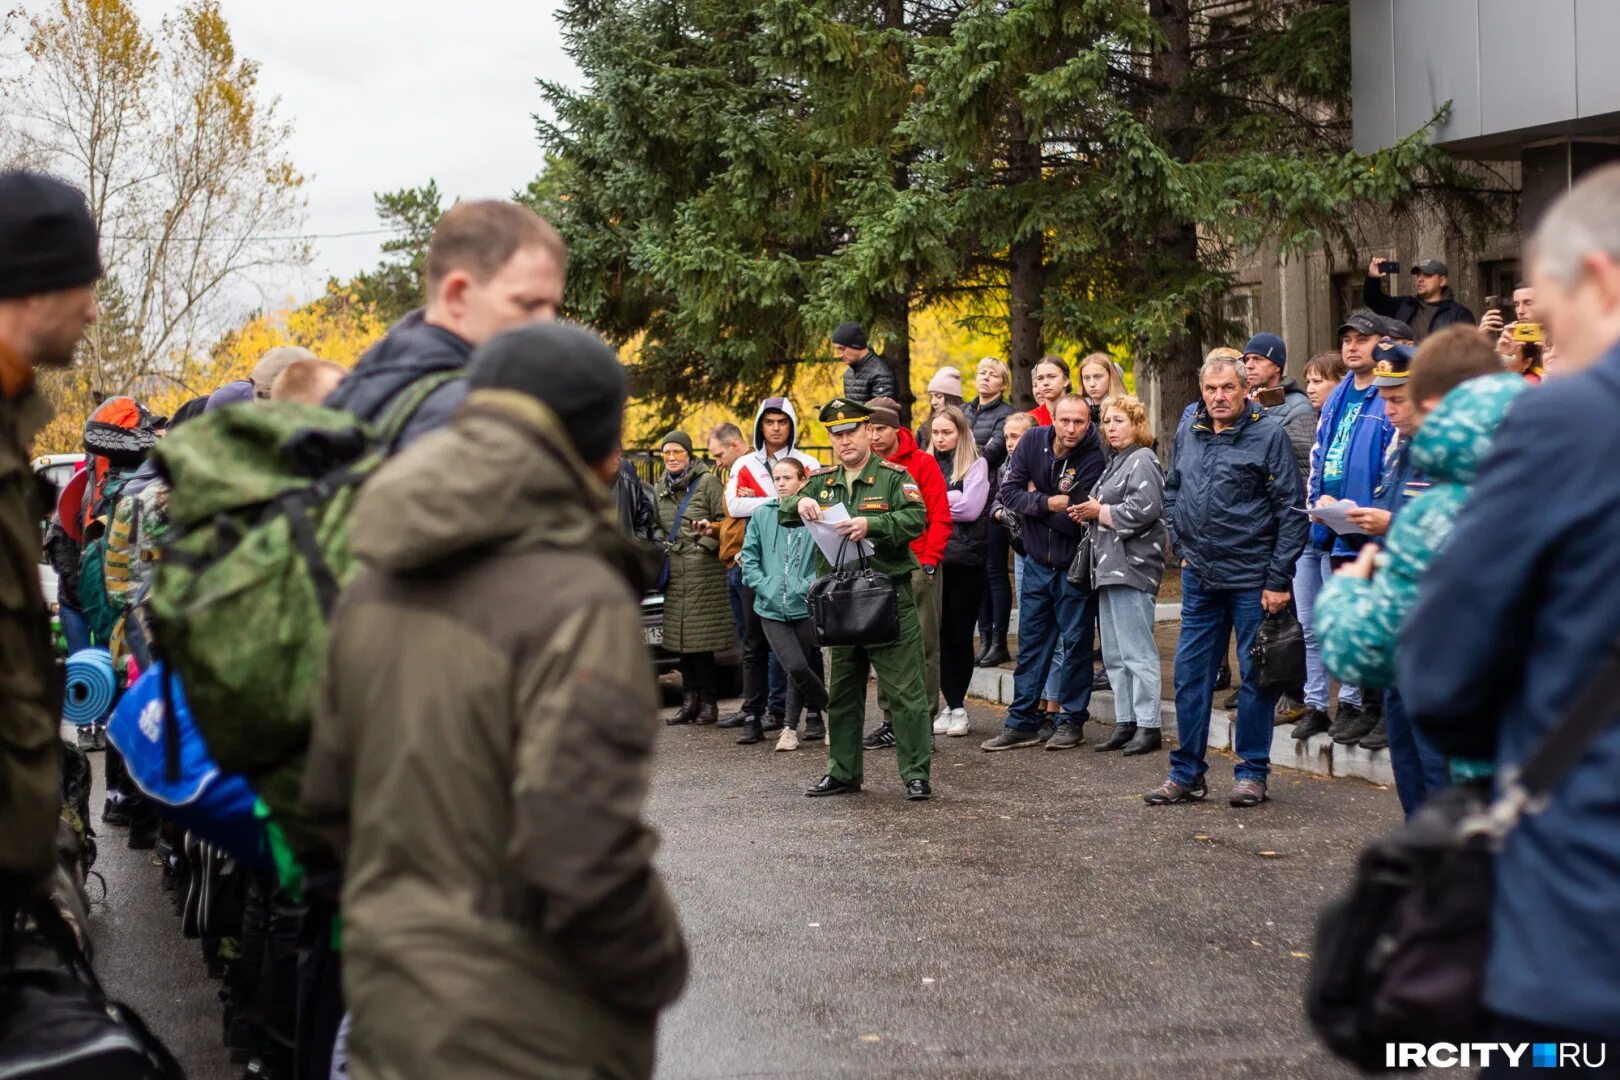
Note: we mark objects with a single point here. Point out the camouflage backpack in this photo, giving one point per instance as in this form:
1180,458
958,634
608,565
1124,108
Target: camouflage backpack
260,498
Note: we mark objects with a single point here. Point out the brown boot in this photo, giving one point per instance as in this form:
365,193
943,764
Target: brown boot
689,710
708,710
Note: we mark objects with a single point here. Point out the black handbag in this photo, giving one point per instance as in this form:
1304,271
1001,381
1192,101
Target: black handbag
1401,956
1279,653
56,1022
1079,574
854,606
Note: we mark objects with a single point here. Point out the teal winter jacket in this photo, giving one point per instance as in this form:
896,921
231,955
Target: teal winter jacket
1359,622
778,564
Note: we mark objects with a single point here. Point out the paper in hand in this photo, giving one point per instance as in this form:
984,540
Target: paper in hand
1336,516
828,540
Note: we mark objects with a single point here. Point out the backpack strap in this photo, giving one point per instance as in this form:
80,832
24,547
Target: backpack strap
397,417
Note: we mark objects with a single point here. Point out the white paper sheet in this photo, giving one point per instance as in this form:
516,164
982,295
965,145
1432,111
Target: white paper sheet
1336,516
828,540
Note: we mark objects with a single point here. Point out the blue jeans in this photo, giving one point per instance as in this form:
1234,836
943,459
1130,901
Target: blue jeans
1050,610
1314,568
1208,617
1420,770
74,628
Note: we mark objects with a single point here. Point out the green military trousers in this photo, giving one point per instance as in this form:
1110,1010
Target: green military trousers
925,590
899,668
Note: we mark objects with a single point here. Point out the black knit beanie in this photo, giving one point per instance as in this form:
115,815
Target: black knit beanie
47,238
566,368
849,335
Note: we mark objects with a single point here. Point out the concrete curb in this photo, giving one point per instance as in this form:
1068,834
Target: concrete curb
1318,755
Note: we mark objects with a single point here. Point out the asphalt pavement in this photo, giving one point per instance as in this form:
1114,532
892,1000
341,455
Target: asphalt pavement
1036,919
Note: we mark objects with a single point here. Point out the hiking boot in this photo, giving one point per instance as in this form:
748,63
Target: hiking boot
1377,738
1122,734
881,739
815,729
1231,700
1360,729
788,740
1314,722
688,711
708,710
773,723
1009,739
736,719
1067,736
1170,793
1349,716
1247,793
1145,741
1290,710
751,733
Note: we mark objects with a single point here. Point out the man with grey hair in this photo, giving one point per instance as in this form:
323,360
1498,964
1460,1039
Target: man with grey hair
1232,496
1506,637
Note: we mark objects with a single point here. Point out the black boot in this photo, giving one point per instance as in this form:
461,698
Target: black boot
736,719
750,732
1145,741
814,728
773,723
996,654
1223,677
689,710
1117,738
708,709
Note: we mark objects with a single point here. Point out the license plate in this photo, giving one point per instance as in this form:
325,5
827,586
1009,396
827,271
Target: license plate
654,635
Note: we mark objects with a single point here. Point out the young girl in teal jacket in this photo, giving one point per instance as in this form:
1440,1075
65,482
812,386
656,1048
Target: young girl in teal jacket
779,565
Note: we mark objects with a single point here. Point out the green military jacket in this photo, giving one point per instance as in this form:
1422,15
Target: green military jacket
30,773
884,494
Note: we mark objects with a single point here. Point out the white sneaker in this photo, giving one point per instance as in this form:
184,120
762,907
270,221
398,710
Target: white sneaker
959,723
942,722
788,740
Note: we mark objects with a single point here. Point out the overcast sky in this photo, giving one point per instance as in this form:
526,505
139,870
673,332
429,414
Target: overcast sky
385,95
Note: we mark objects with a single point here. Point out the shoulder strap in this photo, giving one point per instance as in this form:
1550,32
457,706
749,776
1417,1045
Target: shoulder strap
680,512
394,419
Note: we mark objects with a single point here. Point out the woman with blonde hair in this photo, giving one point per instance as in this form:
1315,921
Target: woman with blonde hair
1100,379
967,485
1130,537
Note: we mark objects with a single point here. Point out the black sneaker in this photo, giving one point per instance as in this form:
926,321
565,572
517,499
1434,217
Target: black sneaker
1360,729
880,739
1347,717
815,729
1045,731
1377,738
1010,739
736,719
750,732
1068,736
1314,722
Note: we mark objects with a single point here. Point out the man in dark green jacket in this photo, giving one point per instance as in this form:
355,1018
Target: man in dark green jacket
886,509
49,264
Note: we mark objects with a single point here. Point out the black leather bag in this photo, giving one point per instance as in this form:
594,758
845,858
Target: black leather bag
1401,956
1279,653
854,606
57,1024
1079,574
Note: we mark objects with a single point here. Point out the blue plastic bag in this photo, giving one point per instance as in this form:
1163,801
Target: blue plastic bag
217,806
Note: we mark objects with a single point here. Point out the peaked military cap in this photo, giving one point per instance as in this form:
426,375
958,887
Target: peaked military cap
841,414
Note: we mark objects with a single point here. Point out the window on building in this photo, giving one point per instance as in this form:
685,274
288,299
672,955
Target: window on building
1240,312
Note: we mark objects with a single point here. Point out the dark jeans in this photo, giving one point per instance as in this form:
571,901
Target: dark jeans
995,609
1049,610
698,673
958,610
1586,1045
794,643
1420,770
1208,617
764,681
74,628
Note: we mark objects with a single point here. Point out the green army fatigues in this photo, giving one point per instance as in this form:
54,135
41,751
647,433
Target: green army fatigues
889,499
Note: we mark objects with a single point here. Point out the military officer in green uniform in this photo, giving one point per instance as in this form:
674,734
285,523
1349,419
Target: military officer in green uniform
885,508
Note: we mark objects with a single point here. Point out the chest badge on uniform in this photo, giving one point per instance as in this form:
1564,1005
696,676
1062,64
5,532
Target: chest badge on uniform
876,505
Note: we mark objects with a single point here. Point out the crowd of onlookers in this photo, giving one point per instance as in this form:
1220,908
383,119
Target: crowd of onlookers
478,749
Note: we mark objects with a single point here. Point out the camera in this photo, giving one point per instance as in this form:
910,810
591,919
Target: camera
1389,266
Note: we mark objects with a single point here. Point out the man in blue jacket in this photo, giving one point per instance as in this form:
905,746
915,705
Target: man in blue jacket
1347,463
1051,470
492,266
1517,615
1233,495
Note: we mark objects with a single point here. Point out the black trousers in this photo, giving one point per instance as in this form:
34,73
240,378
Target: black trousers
995,609
964,588
794,644
756,657
698,673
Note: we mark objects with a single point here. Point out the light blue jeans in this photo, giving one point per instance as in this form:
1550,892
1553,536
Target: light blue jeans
1314,568
1130,654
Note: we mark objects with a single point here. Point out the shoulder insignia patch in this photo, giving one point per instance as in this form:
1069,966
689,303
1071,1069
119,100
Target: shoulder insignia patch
821,472
892,467
913,492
